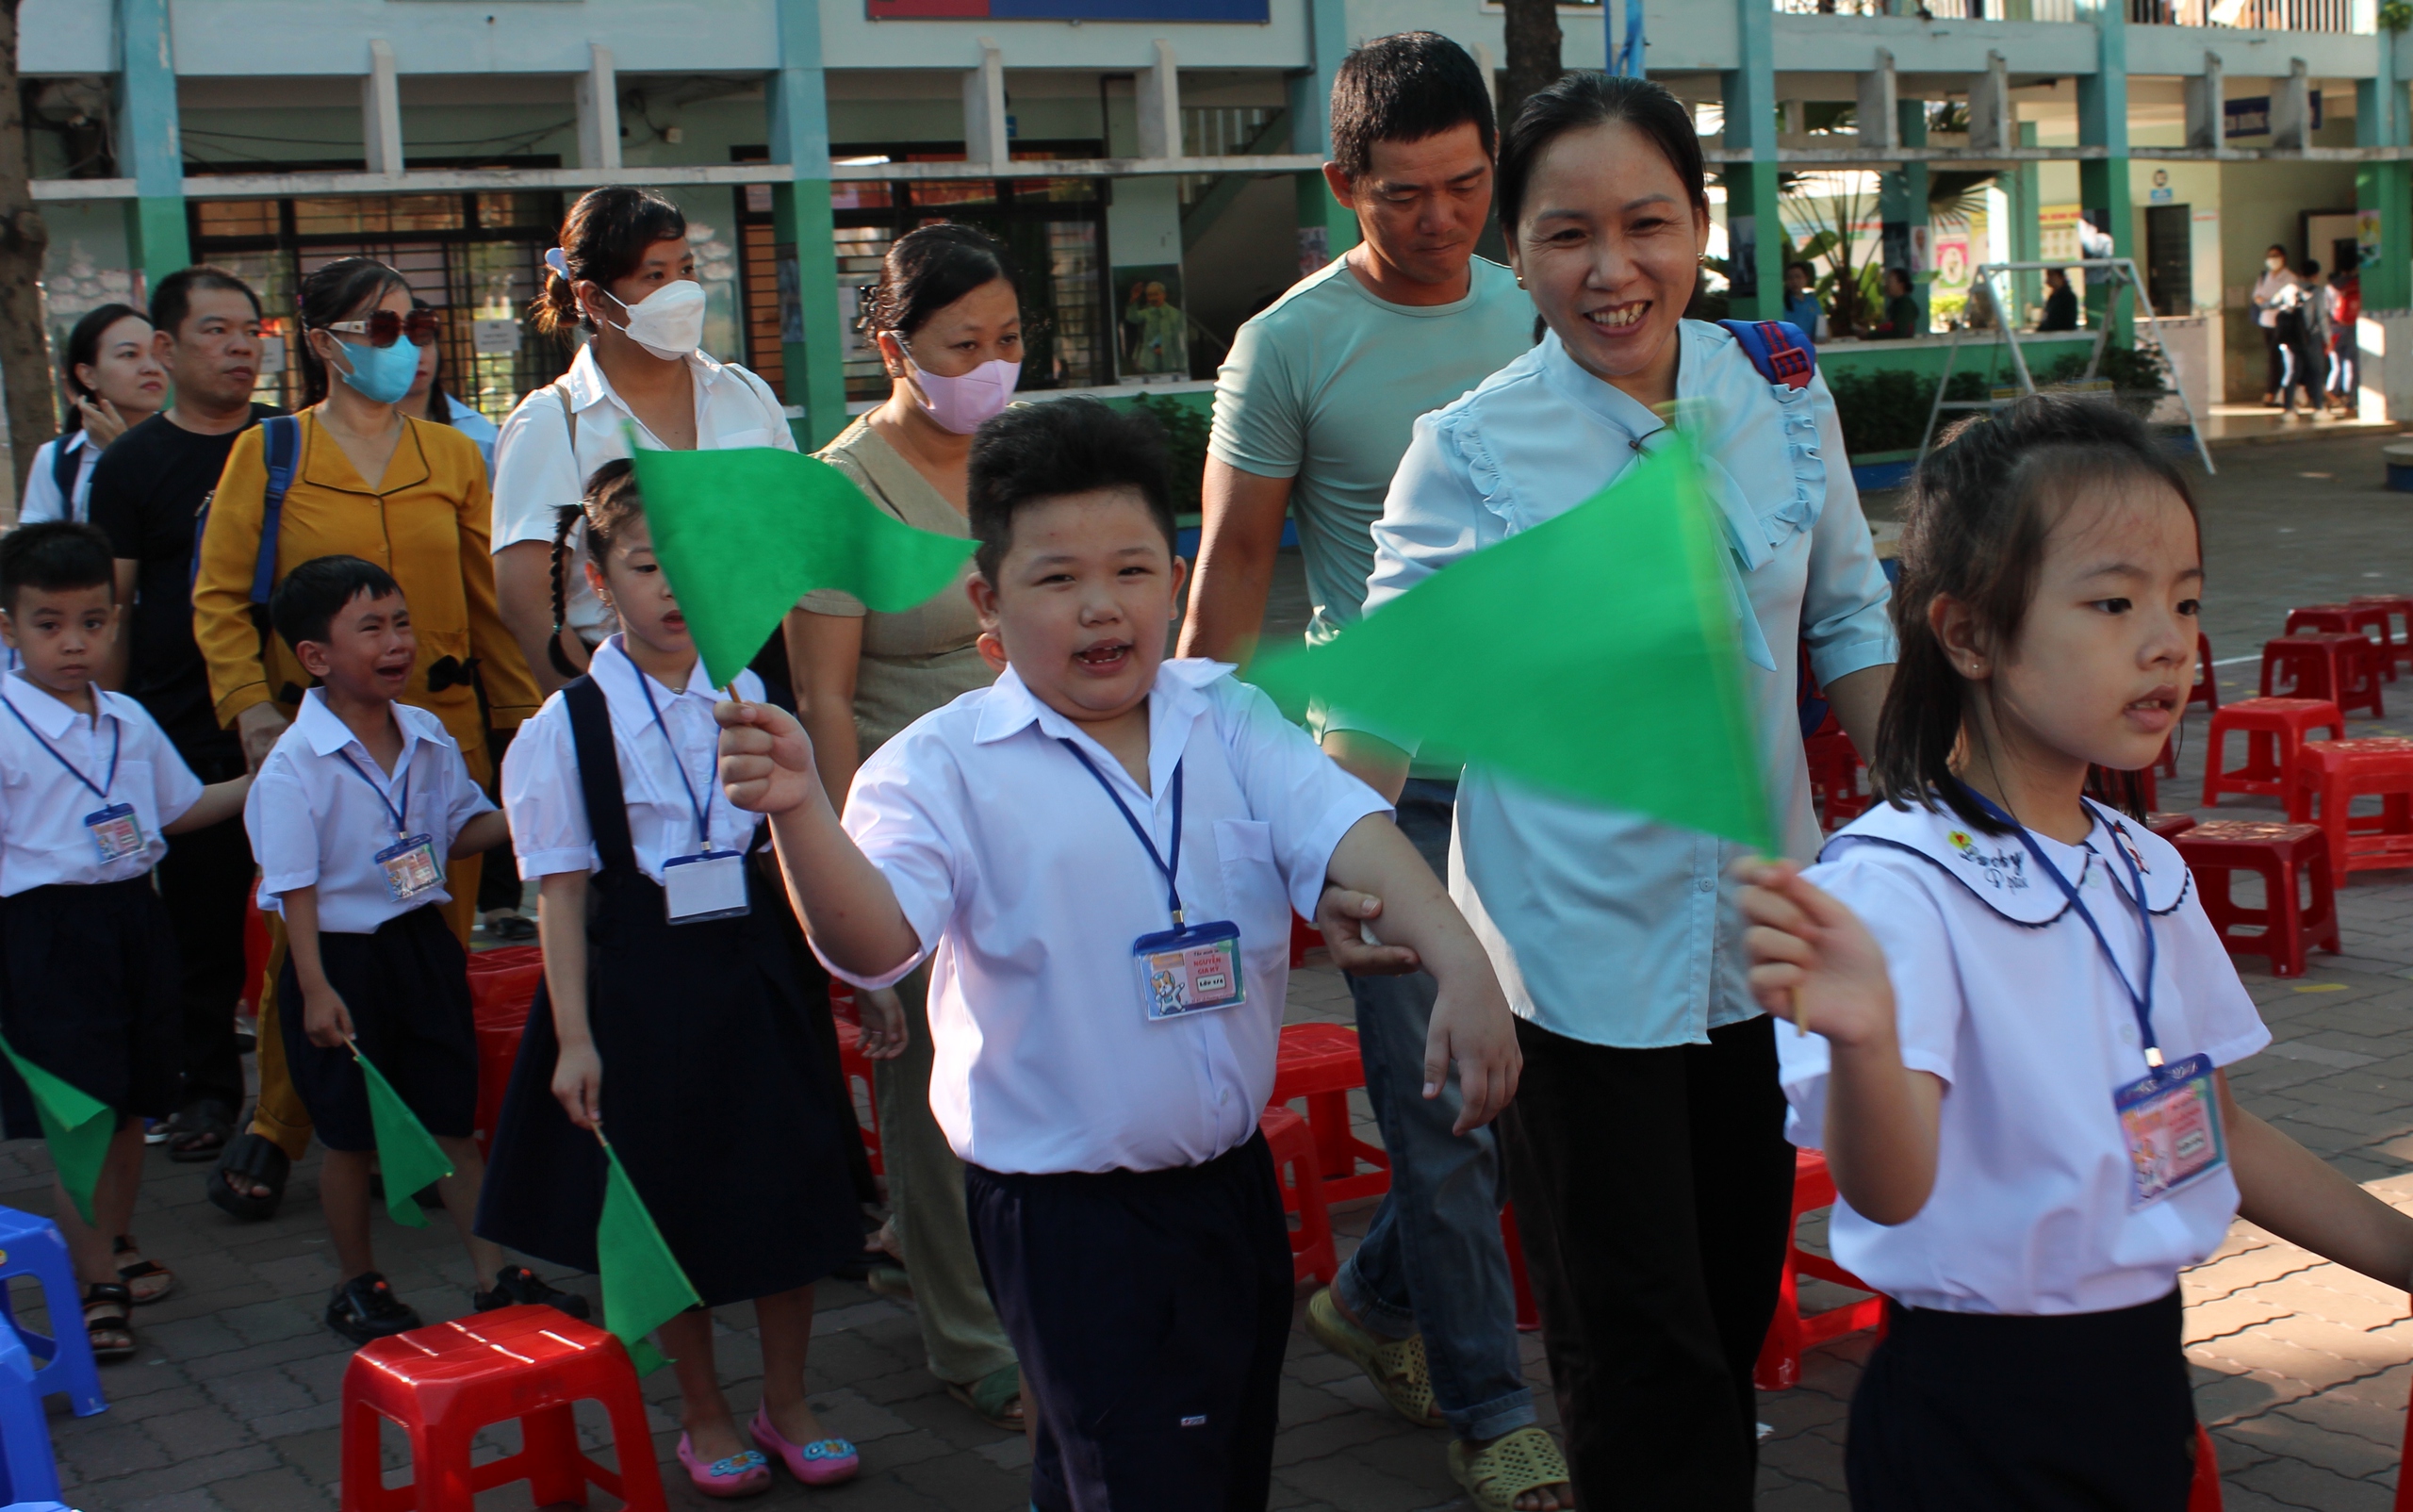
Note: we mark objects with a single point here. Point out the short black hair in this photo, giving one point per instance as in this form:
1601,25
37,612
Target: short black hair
1902,273
1044,451
928,269
172,302
307,602
1808,268
1579,100
1405,88
2309,268
56,556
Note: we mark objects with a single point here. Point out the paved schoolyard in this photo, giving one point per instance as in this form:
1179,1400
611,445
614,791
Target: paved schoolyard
2302,1370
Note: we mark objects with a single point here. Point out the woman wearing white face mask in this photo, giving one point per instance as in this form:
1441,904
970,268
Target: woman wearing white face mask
625,275
946,315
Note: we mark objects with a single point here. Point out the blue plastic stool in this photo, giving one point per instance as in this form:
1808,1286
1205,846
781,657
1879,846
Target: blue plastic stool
32,1246
37,1506
27,1472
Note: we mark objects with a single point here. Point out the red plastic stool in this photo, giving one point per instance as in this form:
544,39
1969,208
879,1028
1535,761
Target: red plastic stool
1303,938
1319,1062
2108,786
256,945
2207,690
2275,730
1302,1194
2168,825
2343,668
444,1384
1834,775
2333,774
856,1066
503,988
1789,1333
2348,619
2204,1495
1529,1312
2289,858
2390,605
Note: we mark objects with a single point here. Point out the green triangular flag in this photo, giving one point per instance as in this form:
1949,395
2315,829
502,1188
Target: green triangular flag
76,1125
1595,655
408,1158
643,1286
744,533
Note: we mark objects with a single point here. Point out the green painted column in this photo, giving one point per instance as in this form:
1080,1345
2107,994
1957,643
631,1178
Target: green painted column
2027,226
1754,232
1901,204
2103,122
2384,191
1327,228
811,345
157,241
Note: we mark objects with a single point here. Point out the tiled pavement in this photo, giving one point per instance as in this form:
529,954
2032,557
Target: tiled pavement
2302,1370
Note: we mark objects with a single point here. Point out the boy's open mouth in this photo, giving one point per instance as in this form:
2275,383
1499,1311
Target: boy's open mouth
1106,656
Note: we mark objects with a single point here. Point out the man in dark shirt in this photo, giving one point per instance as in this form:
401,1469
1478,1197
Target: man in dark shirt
147,490
1901,323
2061,301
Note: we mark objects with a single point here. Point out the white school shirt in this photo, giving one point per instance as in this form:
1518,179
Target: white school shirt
43,501
2001,991
42,805
548,808
1026,889
536,474
314,824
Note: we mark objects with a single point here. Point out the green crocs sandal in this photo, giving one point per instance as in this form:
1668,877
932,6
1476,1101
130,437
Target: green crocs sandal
995,1398
1396,1367
1516,1463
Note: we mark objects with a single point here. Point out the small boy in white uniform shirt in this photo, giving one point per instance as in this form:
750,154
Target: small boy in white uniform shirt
354,816
1099,856
89,979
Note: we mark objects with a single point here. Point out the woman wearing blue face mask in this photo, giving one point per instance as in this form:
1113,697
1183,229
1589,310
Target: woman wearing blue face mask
365,480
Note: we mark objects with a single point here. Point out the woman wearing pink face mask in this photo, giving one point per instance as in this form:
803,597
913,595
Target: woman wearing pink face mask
946,315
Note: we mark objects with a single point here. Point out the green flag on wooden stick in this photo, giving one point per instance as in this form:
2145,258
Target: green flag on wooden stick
744,533
76,1125
1595,655
408,1158
643,1286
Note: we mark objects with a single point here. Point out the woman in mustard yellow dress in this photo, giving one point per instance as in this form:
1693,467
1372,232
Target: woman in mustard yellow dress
424,519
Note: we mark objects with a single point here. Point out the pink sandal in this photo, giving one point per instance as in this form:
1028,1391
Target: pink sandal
822,1462
744,1473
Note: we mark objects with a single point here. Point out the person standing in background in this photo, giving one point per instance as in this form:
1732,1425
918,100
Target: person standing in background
2268,289
429,400
1313,409
114,383
146,490
2061,301
2345,310
1801,298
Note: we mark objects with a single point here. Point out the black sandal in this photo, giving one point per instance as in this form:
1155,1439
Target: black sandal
250,1161
201,1132
146,1281
108,1315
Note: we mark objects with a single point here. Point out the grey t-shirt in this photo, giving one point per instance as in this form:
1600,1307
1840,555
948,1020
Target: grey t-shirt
1324,386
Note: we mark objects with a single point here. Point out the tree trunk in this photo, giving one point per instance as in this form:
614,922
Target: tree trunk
25,354
1532,53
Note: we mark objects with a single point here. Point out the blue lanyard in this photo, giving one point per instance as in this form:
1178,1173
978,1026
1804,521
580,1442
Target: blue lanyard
645,685
117,743
2142,1002
401,815
1172,887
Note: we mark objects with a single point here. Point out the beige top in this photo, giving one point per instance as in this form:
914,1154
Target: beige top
924,658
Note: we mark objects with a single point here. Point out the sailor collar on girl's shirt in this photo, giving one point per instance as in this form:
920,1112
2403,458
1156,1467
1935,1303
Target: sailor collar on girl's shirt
1998,870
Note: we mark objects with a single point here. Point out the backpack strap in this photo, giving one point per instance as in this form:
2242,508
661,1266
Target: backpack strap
1777,348
560,387
281,445
598,772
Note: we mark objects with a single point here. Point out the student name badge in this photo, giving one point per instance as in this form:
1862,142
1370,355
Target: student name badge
410,867
1195,969
707,886
2172,1124
115,831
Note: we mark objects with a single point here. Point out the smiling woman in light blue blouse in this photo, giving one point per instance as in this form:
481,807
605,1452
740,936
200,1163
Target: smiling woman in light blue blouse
1645,1147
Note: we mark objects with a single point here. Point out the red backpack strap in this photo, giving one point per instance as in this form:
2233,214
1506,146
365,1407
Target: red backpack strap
1777,348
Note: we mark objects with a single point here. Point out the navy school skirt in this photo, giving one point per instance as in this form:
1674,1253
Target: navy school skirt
91,992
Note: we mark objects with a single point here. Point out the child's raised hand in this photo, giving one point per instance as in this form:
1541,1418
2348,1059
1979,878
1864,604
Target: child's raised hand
325,1019
765,758
1811,959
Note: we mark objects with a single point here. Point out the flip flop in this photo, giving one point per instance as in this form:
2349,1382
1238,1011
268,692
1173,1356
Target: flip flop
254,1161
1396,1366
1516,1463
200,1132
995,1398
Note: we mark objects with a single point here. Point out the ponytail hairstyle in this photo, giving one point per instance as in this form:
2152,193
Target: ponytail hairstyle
603,240
344,290
84,350
928,269
610,504
1981,509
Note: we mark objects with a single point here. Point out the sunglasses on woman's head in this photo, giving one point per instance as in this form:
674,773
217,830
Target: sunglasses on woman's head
384,327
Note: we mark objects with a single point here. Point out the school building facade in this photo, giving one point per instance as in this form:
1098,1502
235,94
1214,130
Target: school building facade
1153,162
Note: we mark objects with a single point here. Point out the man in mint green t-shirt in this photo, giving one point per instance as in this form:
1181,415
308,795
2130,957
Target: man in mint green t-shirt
1313,409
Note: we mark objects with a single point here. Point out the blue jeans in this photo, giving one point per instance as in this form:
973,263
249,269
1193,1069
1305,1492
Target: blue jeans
1433,1262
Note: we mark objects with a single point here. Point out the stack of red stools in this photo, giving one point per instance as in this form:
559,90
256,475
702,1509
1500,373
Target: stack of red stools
2344,669
2332,775
2390,606
2349,618
444,1384
2275,730
2290,859
1302,1194
503,987
1789,1333
1319,1062
2207,690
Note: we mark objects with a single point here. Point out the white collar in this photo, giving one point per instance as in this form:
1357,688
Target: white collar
1175,700
327,734
47,712
612,663
589,385
2000,871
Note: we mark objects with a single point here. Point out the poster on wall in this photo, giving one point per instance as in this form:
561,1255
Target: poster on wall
1249,11
1154,345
